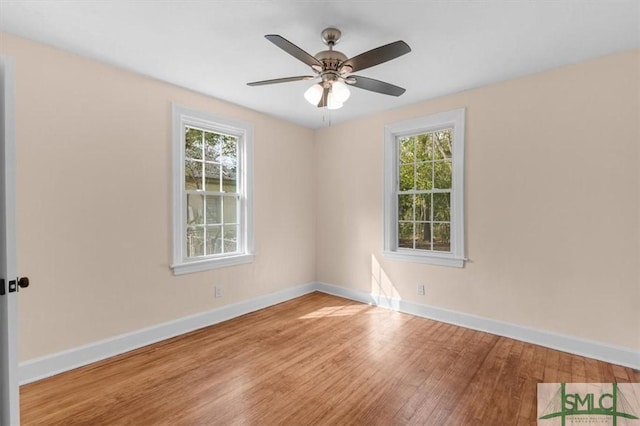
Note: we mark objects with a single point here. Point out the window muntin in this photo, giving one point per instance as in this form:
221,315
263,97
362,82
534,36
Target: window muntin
423,189
212,223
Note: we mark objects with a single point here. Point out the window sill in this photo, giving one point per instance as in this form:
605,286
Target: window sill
207,264
432,259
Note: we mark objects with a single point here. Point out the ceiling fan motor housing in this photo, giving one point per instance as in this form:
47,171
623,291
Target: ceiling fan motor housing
331,59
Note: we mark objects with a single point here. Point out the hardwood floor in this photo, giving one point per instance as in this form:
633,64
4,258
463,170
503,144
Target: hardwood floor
317,359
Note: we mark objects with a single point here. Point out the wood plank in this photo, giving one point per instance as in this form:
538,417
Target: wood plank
318,359
592,370
528,401
578,370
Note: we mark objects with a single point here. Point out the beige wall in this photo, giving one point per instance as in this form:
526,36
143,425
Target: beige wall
94,202
552,203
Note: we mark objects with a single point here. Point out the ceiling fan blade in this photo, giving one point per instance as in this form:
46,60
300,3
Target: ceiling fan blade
293,50
324,98
281,80
377,56
375,85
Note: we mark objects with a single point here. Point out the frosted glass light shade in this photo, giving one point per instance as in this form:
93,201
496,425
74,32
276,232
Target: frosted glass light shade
340,92
314,94
332,102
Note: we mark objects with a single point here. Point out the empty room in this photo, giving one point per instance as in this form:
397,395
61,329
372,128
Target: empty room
320,212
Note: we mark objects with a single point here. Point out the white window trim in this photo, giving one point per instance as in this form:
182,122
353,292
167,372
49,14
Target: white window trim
182,116
394,131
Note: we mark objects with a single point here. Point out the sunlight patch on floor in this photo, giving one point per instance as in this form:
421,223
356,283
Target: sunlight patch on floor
336,311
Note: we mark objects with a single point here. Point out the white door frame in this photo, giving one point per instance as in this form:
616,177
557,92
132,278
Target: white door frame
9,387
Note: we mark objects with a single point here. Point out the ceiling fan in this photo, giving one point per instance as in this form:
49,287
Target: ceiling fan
333,69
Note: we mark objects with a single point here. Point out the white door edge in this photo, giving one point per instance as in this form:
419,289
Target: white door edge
9,390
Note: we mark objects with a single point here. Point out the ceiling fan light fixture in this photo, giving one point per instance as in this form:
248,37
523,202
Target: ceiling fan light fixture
340,92
313,94
333,100
332,104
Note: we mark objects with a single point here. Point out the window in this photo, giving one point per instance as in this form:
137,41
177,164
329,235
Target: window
424,183
212,215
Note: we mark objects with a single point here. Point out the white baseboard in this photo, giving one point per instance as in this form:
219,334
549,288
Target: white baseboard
601,351
50,365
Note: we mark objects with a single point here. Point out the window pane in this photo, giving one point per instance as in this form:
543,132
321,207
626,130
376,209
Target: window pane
405,207
192,174
230,239
214,240
193,143
195,242
229,174
406,177
405,150
405,234
442,207
214,209
442,174
195,208
442,144
423,176
423,207
212,177
424,147
230,210
212,146
441,237
423,236
229,147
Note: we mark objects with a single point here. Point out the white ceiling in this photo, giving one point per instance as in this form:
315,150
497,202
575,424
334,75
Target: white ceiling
216,47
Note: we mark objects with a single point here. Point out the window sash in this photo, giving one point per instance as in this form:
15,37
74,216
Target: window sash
415,222
205,226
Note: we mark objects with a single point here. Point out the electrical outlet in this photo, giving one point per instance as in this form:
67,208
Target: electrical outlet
420,289
218,291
